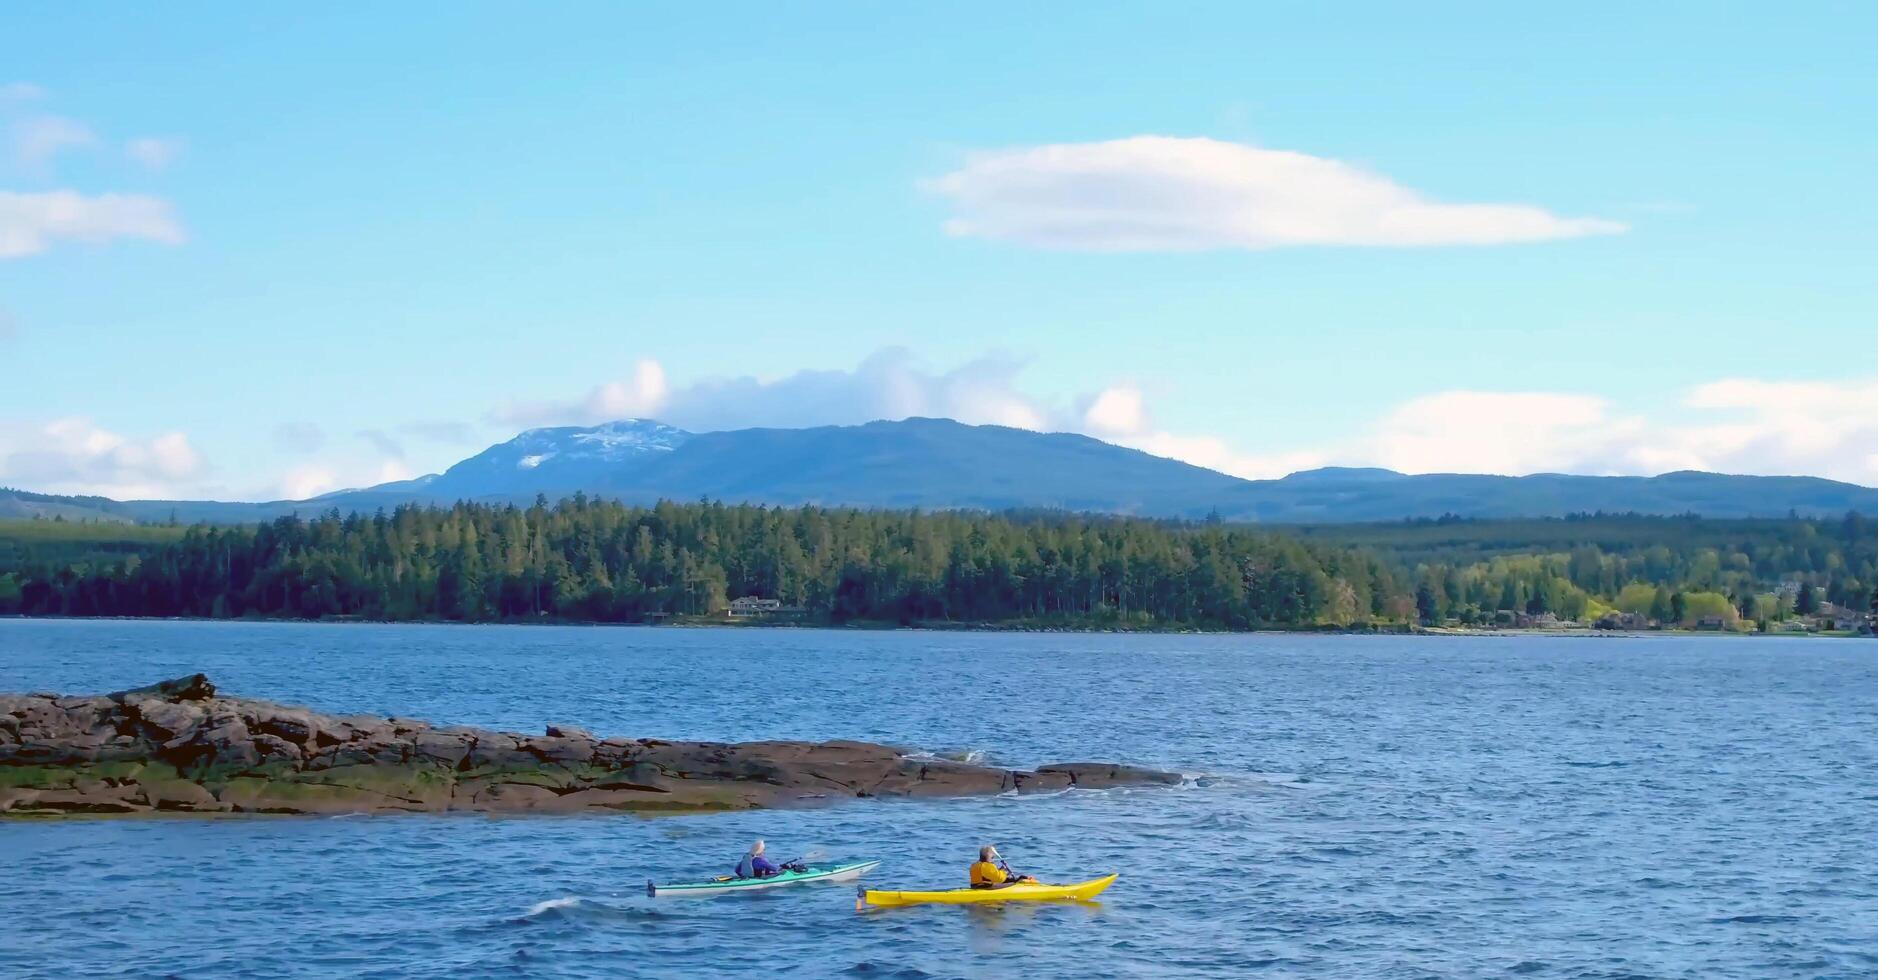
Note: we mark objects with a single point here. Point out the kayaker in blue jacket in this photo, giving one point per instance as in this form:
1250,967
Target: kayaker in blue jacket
755,865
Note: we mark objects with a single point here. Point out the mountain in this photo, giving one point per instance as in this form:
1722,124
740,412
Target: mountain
553,460
918,462
939,463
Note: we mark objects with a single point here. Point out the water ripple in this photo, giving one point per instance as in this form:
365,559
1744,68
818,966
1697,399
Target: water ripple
1358,806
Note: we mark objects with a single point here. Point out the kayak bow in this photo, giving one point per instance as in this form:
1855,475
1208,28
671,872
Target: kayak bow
725,884
1080,891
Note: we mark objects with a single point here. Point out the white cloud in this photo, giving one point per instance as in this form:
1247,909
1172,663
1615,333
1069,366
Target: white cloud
1215,453
153,152
75,456
72,455
1161,193
891,384
1805,427
307,480
1772,428
310,479
36,140
1119,414
1502,432
31,223
1119,410
643,392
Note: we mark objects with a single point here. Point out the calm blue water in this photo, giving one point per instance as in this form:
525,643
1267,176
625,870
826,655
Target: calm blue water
1370,806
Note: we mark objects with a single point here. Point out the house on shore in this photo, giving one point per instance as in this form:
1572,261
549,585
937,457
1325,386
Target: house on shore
1541,621
1625,621
754,607
1836,617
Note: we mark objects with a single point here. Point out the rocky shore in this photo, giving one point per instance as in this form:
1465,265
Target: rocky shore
180,747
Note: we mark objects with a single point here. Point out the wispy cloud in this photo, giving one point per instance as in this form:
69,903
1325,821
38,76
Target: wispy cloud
31,223
890,384
19,93
444,431
1161,193
383,442
154,153
36,140
302,437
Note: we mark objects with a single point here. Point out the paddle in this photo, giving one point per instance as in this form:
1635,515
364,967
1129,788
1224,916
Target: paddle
1010,877
813,853
1002,864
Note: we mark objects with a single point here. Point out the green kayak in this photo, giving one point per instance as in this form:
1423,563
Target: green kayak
725,884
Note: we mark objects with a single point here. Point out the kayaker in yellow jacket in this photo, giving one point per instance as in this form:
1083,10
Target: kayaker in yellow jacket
991,872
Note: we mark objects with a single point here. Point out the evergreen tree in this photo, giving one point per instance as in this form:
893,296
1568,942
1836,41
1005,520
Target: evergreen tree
1425,603
1662,607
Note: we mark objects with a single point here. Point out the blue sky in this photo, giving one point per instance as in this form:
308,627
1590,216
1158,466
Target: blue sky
263,252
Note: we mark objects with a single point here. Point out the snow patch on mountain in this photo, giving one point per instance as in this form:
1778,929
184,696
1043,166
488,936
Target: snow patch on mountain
561,458
631,435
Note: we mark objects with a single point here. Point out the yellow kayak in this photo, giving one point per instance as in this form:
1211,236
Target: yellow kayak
1038,892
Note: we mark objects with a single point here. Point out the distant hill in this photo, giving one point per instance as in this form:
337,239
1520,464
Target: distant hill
938,463
21,504
1338,496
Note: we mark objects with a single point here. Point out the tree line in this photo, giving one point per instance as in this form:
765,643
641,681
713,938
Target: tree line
1673,570
586,559
594,560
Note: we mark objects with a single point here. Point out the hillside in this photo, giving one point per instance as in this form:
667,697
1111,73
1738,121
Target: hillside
942,464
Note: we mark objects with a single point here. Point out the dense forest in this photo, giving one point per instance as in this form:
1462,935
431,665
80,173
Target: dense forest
592,560
1746,572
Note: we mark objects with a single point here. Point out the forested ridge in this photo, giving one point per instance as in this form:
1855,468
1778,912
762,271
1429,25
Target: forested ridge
585,559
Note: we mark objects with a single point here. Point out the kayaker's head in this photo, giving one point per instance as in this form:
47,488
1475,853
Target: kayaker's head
756,848
988,853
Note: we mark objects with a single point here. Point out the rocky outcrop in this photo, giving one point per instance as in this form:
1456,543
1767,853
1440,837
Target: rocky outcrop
179,747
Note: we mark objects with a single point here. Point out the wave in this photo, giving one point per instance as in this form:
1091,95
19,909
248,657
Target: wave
971,757
542,908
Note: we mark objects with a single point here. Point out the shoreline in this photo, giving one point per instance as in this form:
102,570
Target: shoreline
940,626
